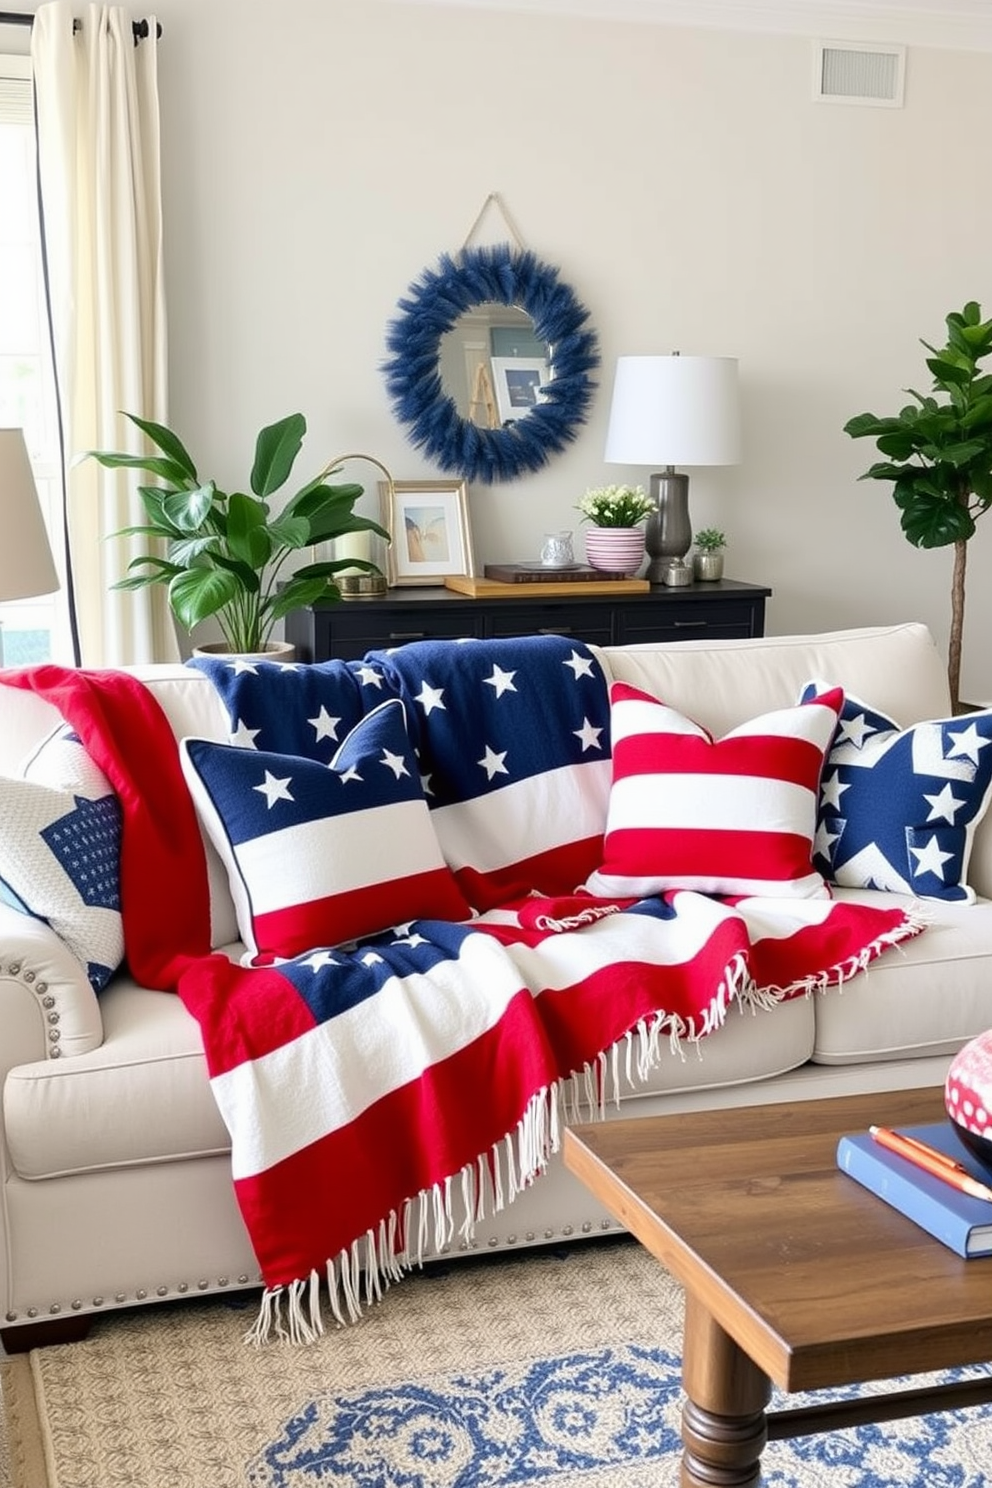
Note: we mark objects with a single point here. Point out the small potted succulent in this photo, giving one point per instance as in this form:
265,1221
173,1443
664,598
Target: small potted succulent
707,560
615,539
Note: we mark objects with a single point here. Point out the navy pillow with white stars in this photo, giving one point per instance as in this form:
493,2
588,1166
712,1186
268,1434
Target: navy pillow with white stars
291,707
899,806
485,713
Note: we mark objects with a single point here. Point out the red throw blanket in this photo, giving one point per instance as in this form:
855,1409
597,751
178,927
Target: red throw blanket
381,1100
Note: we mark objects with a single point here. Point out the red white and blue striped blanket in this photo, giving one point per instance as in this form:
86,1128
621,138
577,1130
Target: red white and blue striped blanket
386,1097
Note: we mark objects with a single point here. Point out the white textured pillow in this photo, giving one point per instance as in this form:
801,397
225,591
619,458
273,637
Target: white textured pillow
60,843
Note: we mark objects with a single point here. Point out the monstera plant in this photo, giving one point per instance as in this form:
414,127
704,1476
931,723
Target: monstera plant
226,555
938,456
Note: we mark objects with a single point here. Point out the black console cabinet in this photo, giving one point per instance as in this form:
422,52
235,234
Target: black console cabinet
724,610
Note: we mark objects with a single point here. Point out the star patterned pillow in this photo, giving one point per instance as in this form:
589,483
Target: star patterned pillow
899,807
318,855
60,845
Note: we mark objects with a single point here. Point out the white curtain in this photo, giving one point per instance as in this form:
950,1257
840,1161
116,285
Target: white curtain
98,150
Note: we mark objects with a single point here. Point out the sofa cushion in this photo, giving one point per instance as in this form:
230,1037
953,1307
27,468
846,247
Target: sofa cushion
728,816
928,997
753,1044
722,683
899,807
142,1097
322,854
60,844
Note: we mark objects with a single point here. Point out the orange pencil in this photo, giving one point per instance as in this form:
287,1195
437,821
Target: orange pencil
938,1164
914,1142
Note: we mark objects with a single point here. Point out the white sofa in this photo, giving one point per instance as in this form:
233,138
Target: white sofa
116,1185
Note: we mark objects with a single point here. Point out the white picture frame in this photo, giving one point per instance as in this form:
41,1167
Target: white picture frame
517,382
429,531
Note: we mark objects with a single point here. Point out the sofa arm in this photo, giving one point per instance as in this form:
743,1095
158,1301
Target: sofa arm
48,1010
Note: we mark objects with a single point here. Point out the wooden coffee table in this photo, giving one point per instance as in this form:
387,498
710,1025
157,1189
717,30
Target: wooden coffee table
793,1273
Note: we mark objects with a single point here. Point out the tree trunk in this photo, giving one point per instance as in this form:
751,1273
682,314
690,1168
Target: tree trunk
957,622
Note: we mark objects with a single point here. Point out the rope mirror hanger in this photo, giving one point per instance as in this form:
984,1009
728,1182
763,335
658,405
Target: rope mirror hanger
506,275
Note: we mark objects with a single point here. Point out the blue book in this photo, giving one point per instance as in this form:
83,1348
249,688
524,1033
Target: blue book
956,1219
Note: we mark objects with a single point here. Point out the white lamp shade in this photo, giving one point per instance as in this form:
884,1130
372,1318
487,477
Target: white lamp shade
674,410
26,565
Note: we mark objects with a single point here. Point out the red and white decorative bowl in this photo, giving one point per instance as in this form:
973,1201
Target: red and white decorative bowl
968,1096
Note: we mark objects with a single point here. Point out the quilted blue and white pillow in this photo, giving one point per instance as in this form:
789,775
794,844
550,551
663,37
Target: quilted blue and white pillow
317,854
60,846
898,807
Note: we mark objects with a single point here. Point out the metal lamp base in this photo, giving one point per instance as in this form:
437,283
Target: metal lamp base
668,532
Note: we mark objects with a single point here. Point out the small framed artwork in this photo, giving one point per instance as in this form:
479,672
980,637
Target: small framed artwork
518,382
429,530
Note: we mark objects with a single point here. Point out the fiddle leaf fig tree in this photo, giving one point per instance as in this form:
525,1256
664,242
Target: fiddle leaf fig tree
938,456
225,555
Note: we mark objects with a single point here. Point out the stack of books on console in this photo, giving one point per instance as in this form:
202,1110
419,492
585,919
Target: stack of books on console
537,580
544,573
929,1175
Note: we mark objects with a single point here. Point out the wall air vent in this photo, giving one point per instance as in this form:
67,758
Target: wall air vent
858,72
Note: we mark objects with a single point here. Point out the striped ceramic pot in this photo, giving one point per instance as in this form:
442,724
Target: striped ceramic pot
615,550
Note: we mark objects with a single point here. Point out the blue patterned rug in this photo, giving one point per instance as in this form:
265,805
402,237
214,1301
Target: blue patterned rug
601,1417
556,1368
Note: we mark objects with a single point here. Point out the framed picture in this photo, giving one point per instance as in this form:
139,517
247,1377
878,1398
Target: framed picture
428,525
518,382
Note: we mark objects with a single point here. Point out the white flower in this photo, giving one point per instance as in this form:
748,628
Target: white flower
615,506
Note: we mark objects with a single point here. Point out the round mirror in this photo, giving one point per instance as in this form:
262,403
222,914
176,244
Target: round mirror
490,363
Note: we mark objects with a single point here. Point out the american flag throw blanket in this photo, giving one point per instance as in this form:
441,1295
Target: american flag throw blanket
383,1097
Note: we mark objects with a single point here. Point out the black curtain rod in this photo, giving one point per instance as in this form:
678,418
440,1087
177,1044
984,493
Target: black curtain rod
17,18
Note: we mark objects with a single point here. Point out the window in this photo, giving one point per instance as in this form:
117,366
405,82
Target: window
33,629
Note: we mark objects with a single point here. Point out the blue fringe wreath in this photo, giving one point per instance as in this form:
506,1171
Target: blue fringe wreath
432,306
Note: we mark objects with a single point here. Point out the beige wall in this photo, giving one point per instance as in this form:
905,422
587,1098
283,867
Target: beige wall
319,153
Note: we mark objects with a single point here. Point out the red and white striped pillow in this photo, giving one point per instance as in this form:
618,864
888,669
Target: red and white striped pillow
735,815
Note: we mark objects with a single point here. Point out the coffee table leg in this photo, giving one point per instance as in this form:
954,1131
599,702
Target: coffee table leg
723,1419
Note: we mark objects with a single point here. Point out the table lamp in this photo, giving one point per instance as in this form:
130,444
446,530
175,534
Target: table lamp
670,410
26,565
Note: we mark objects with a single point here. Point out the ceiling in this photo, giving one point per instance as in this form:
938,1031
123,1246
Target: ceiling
961,24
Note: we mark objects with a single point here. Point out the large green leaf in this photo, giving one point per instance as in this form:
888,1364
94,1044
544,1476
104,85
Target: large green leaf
901,445
316,495
330,524
187,511
276,450
200,593
198,550
932,521
159,570
946,371
965,452
166,470
290,532
863,424
169,443
248,533
299,592
247,579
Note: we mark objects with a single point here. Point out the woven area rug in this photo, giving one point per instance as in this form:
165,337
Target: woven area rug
554,1368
